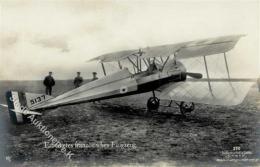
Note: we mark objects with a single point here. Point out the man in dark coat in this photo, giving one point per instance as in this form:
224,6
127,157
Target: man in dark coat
78,80
49,82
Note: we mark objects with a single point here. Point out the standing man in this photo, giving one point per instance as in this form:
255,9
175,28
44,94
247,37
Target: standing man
94,76
49,82
78,80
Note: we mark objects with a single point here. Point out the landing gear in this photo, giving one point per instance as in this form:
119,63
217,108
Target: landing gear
153,103
186,107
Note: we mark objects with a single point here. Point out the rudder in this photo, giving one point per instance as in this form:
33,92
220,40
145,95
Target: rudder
13,103
20,103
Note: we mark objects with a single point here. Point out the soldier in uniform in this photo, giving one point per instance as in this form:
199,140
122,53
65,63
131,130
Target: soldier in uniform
78,80
49,82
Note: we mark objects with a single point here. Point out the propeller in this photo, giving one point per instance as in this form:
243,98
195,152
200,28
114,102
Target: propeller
194,75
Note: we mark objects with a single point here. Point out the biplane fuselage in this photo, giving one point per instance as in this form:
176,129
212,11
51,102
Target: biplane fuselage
121,83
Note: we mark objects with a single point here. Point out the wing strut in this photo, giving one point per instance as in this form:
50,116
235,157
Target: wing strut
161,59
226,65
134,69
206,67
137,63
174,58
134,65
140,63
119,64
131,61
103,67
138,60
225,57
145,63
165,62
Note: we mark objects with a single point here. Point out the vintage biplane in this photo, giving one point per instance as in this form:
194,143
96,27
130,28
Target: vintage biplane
158,70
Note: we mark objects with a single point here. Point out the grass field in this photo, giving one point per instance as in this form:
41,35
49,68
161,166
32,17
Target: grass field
163,138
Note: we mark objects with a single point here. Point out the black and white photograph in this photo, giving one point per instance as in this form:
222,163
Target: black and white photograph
129,83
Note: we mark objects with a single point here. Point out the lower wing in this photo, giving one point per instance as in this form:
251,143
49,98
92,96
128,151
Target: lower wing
226,92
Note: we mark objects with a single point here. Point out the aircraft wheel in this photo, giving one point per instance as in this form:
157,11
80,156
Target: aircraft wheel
153,103
186,107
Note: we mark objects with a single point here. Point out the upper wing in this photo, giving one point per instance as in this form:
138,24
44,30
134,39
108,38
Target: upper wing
115,56
194,48
181,50
224,92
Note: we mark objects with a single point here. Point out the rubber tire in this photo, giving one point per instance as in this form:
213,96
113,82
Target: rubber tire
184,108
153,103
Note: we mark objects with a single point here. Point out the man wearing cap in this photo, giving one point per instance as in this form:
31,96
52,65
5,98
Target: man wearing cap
49,82
78,80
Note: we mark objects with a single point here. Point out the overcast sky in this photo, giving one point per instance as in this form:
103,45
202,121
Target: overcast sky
60,35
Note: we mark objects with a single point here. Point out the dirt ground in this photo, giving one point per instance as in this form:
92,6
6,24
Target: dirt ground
157,139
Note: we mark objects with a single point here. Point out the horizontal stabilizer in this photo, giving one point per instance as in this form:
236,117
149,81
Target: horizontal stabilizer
26,112
183,50
4,105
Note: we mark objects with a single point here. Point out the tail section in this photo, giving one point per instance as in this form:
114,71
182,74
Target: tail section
13,104
19,104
